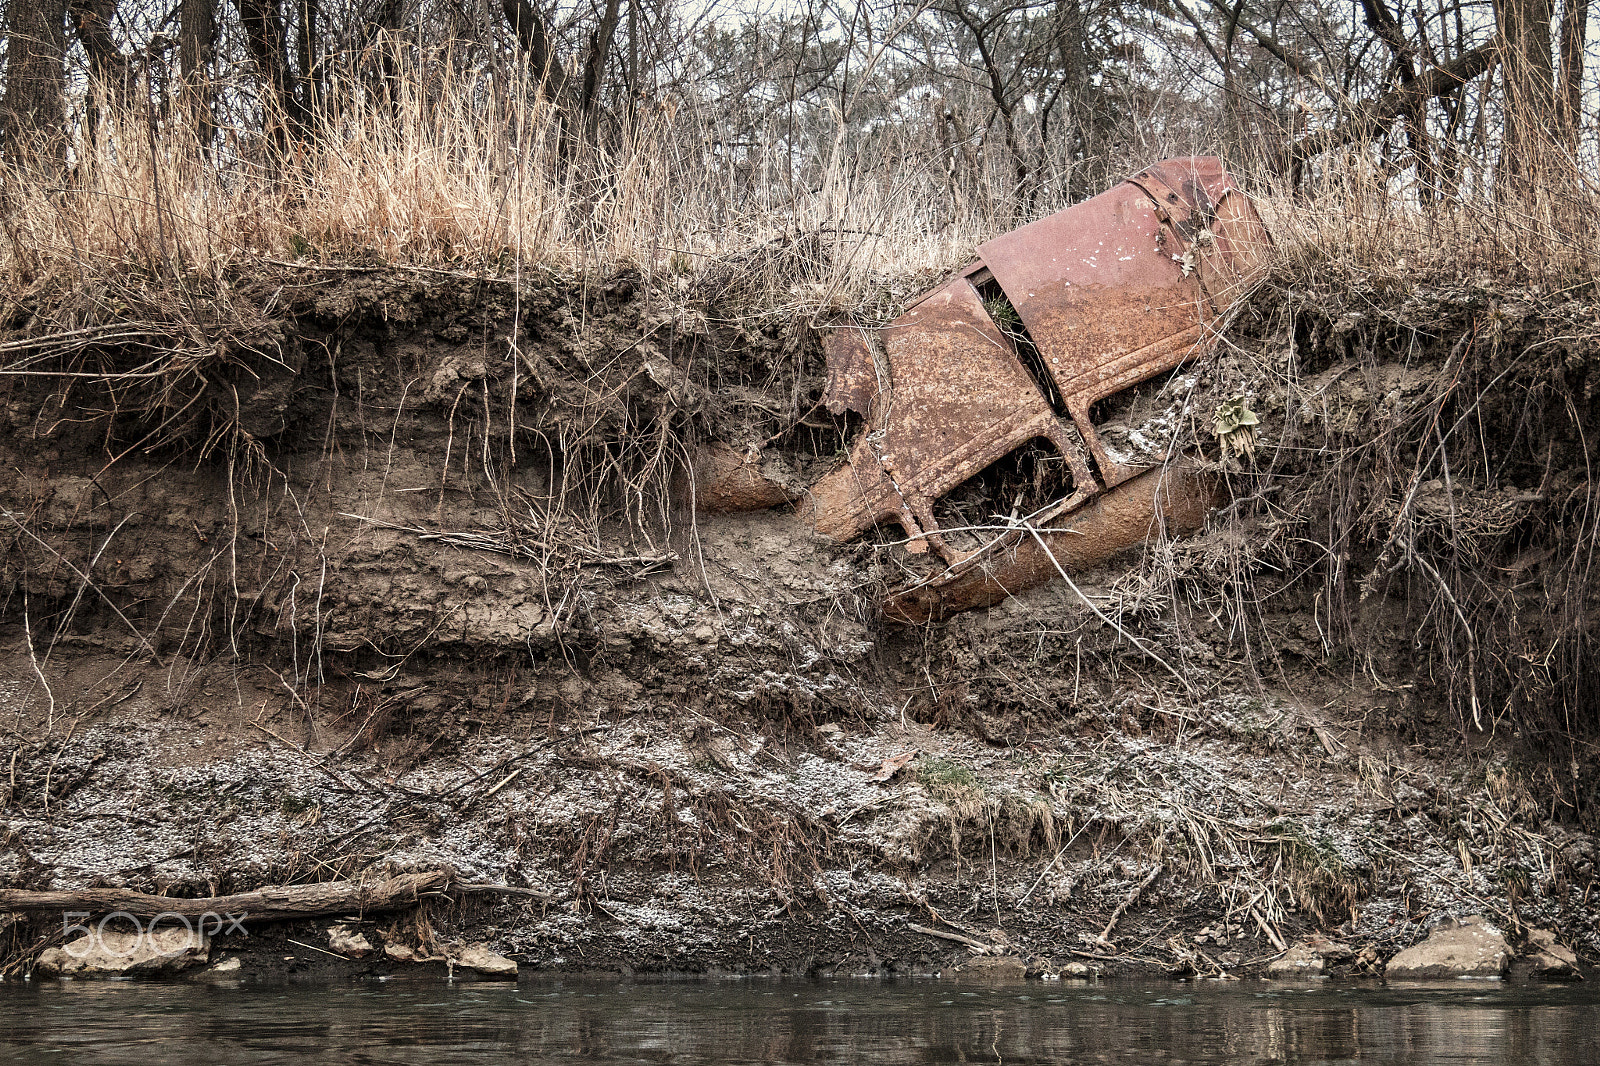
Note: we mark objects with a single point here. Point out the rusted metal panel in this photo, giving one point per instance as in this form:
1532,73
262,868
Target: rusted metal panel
958,399
1172,501
1095,282
852,373
724,479
1238,252
1228,244
1113,290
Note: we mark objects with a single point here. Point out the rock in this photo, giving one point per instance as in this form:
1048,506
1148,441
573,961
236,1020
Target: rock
1550,960
1332,952
485,963
346,941
399,953
1312,956
1367,963
1301,960
994,968
225,971
1077,969
1466,947
115,953
1578,850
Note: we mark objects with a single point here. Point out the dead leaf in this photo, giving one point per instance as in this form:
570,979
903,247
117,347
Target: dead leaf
893,765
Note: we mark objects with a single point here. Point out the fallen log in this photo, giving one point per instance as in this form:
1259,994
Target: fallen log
957,937
275,903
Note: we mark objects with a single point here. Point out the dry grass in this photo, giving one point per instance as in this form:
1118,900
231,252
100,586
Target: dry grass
464,174
449,178
1355,218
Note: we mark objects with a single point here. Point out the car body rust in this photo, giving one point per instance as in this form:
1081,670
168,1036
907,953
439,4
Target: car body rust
959,399
1019,346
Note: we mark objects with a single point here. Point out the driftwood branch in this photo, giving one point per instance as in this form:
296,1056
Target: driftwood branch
957,937
277,903
1116,915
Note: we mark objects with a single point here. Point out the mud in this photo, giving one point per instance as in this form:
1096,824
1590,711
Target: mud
340,627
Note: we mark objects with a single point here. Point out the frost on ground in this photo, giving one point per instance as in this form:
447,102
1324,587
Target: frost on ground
737,842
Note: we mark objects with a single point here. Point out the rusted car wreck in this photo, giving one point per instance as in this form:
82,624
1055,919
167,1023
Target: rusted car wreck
1093,300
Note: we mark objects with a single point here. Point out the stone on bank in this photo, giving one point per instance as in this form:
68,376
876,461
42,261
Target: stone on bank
1550,960
116,953
1457,947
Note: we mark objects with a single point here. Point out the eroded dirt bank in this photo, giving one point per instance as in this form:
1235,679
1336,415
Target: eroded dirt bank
387,572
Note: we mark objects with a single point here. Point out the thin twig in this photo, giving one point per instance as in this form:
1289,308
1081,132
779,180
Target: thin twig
1107,619
1116,915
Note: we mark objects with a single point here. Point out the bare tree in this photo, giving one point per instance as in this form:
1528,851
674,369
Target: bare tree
266,37
1528,69
33,105
1573,37
197,34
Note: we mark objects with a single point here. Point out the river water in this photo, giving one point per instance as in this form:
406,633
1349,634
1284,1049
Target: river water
544,1021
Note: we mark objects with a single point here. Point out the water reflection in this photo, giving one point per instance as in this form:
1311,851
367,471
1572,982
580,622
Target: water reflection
771,1022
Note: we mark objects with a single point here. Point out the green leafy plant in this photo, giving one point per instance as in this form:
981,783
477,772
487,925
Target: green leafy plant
1236,427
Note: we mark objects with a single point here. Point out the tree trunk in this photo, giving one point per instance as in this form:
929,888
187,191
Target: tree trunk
265,905
307,47
91,21
266,38
272,904
594,66
197,34
1078,88
378,40
33,105
1529,72
529,27
1574,34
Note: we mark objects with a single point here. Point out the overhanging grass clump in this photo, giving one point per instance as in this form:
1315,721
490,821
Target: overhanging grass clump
1421,514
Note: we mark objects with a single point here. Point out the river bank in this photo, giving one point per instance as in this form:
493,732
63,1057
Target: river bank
331,617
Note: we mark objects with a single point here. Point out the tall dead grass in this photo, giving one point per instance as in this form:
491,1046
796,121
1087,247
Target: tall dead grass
449,173
1356,217
455,172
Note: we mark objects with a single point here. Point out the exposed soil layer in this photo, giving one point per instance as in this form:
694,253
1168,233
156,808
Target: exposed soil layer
405,575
